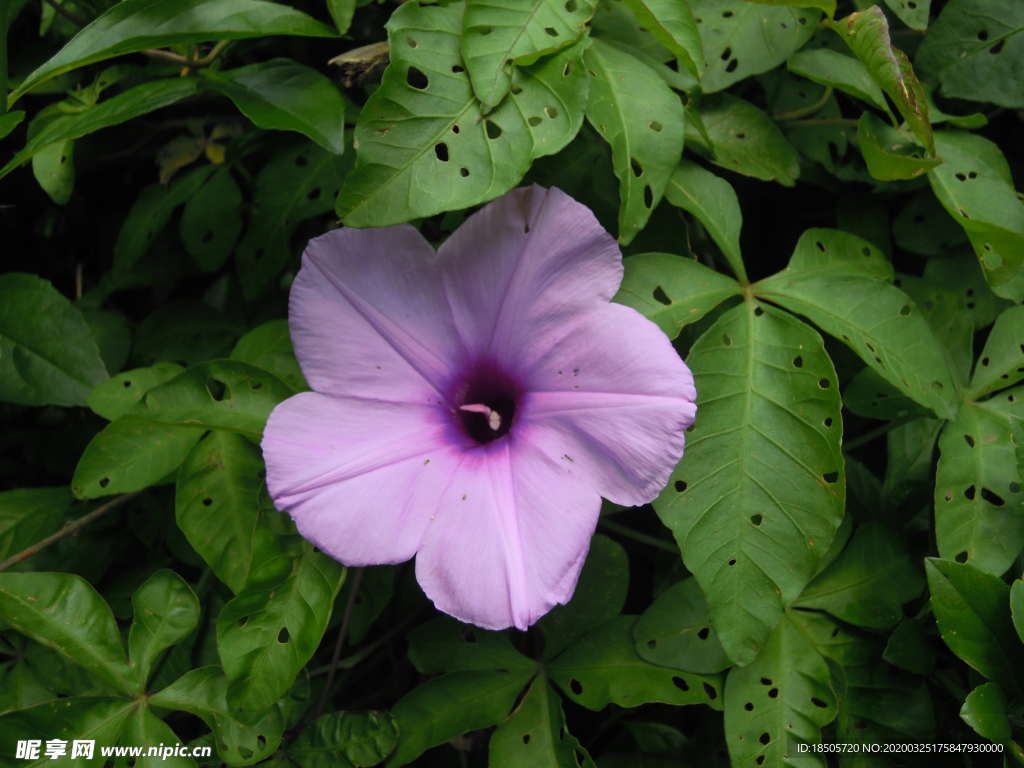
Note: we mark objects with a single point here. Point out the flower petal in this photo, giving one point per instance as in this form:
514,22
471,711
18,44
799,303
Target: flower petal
509,538
361,478
369,317
522,265
614,399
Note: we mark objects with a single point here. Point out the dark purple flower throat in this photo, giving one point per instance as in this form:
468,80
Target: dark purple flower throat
484,401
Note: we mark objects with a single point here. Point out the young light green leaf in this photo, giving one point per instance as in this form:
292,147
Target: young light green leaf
341,13
281,94
673,291
134,25
345,740
984,710
535,734
760,496
868,583
165,610
974,51
867,35
130,104
212,220
782,699
495,37
672,24
63,612
424,142
642,120
603,668
675,631
445,645
28,515
54,169
47,353
975,186
978,496
269,346
746,140
888,154
837,70
203,692
972,610
913,13
836,280
713,201
741,39
268,633
116,396
1001,363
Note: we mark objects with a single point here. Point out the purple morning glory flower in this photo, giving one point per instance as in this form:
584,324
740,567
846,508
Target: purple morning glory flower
472,405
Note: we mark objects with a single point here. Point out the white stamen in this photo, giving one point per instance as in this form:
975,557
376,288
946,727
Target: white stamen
493,417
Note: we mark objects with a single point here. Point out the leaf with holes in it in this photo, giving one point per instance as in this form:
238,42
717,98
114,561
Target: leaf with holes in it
298,183
746,140
642,120
867,35
757,502
48,355
446,707
972,610
1001,363
203,692
828,6
603,668
913,13
868,583
345,740
742,39
836,280
164,611
423,142
974,50
782,699
446,645
212,221
673,25
269,346
924,227
673,291
888,154
119,394
979,503
496,36
713,201
535,734
675,631
984,710
975,186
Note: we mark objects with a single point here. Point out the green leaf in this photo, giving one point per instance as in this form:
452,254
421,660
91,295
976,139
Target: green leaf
10,121
837,280
742,39
867,34
187,332
972,610
63,612
140,100
212,220
672,24
713,201
828,6
974,51
978,498
145,728
603,668
85,718
779,701
975,186
868,583
1017,606
203,692
984,710
446,707
1001,363
746,140
116,396
54,169
924,227
47,352
599,596
424,143
341,13
130,454
673,291
913,13
909,649
135,25
888,154
641,118
760,496
165,611
535,734
497,36
446,645
829,68
268,633
868,394
345,740
269,346
675,631
283,95
28,515
112,333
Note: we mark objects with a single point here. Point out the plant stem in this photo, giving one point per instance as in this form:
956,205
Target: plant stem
205,61
643,538
867,437
357,578
810,109
69,529
71,16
